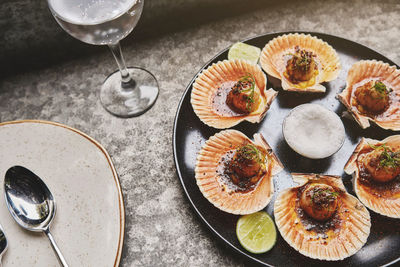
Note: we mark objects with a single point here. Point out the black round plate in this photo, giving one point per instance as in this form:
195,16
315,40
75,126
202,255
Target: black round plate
383,245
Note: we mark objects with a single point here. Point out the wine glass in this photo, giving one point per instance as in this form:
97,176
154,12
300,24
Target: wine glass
129,91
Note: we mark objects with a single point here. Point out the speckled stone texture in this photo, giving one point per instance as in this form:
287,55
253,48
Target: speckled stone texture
173,43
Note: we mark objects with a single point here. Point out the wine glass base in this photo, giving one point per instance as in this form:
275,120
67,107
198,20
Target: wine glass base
132,99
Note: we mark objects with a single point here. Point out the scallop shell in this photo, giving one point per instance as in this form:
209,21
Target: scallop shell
274,63
384,205
216,191
210,79
340,243
366,70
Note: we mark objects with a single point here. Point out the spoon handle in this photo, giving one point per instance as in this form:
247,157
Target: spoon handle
55,248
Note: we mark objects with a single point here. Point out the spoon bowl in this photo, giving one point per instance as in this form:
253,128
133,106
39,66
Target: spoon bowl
31,203
28,199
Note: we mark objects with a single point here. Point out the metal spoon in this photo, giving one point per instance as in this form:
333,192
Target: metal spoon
3,243
31,203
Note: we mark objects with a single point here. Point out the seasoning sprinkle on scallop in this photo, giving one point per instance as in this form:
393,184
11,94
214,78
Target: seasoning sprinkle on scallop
372,93
302,62
235,174
320,219
229,92
375,166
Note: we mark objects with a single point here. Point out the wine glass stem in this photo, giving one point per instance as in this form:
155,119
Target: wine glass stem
126,78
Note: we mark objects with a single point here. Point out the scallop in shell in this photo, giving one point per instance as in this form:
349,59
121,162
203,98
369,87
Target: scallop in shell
212,87
217,182
375,166
334,238
302,62
372,93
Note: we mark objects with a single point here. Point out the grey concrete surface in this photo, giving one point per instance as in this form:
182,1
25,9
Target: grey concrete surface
161,227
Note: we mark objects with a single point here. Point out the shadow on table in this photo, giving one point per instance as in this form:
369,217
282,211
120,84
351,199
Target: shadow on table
33,40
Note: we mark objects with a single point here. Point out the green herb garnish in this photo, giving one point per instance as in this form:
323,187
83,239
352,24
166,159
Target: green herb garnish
250,152
388,158
250,98
302,59
380,87
331,195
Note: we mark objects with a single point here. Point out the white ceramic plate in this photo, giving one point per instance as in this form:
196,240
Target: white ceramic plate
90,217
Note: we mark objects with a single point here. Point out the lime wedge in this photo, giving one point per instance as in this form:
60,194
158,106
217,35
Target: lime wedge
256,232
244,51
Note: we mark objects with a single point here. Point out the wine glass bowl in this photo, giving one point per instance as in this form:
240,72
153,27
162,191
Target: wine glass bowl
127,92
86,20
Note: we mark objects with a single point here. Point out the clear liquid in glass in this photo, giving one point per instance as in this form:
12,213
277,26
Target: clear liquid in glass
98,22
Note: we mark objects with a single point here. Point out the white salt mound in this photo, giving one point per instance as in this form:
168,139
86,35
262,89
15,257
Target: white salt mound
313,131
